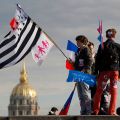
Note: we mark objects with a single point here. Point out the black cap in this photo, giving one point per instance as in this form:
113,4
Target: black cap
54,109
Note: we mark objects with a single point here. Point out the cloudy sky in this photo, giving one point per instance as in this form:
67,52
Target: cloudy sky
63,20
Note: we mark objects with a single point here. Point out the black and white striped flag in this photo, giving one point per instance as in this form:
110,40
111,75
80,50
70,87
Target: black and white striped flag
20,40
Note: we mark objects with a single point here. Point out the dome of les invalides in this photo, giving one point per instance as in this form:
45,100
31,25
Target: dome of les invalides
23,99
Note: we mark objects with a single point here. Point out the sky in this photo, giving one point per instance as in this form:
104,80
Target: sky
62,20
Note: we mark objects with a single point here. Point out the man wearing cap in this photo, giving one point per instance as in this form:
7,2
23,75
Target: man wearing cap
107,65
53,111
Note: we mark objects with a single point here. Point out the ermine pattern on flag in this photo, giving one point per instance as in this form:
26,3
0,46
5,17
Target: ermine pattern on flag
19,42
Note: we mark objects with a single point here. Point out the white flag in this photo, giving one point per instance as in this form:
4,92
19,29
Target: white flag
42,48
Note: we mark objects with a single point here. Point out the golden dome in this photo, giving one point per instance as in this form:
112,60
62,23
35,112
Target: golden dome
24,88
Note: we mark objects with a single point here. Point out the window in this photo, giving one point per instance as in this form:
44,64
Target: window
20,102
28,102
13,113
20,113
28,112
14,102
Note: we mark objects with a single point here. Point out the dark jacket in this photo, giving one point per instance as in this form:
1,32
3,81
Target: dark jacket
83,59
102,63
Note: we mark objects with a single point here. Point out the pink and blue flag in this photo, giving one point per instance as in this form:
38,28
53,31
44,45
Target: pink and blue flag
66,106
100,37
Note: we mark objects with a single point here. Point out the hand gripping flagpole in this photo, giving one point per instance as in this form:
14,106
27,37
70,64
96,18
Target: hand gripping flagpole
55,45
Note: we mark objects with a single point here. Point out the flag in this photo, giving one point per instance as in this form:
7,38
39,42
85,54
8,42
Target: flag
69,65
42,48
71,50
71,46
100,37
66,106
77,76
23,35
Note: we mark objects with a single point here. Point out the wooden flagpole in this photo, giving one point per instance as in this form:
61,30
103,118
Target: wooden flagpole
55,45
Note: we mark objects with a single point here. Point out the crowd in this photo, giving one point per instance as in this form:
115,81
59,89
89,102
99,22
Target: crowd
100,99
105,65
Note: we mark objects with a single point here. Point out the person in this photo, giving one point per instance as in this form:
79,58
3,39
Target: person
83,62
93,88
118,110
53,111
107,67
105,100
91,47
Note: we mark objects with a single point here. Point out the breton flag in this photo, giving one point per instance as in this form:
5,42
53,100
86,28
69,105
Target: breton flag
71,50
66,106
42,48
20,40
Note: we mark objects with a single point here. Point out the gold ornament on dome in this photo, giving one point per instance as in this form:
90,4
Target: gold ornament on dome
23,77
24,88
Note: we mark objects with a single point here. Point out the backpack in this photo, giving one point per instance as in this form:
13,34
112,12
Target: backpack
110,54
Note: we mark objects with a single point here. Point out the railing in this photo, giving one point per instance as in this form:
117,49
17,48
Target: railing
62,118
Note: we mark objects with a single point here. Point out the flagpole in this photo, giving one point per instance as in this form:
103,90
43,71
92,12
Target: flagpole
55,45
75,85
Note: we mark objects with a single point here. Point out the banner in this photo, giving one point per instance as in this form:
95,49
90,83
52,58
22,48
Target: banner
77,76
42,48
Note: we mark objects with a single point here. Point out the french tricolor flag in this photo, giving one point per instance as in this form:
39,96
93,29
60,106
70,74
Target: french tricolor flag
65,109
71,50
